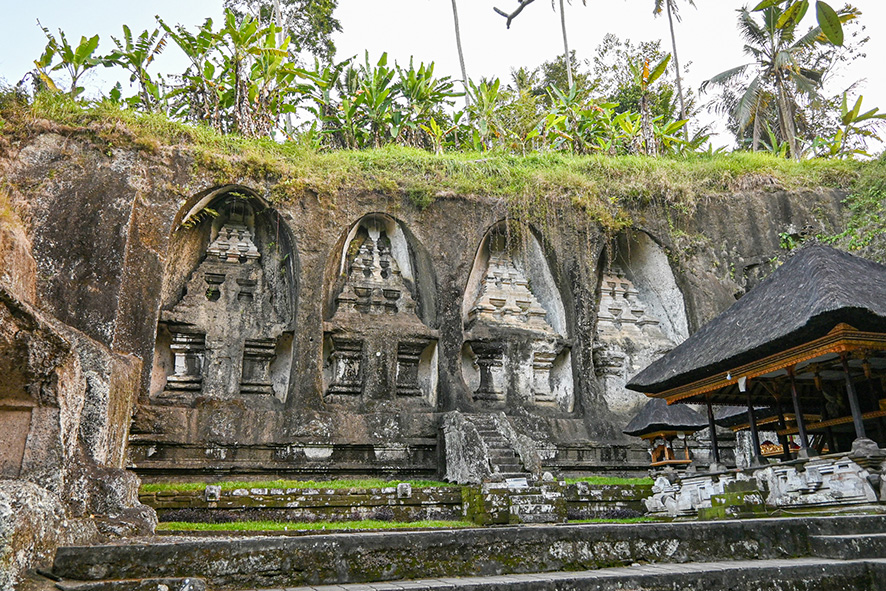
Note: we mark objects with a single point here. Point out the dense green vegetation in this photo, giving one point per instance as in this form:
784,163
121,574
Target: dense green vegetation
245,77
604,189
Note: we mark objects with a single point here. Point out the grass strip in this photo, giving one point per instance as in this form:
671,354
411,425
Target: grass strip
289,484
315,526
611,481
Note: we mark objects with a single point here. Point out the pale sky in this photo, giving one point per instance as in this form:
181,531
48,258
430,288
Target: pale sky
706,37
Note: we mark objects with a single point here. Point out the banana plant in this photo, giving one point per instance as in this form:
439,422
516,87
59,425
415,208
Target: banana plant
76,61
377,104
483,112
135,55
197,95
857,128
423,95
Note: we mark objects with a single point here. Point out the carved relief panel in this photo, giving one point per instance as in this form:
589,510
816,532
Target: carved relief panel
376,349
513,354
640,316
225,336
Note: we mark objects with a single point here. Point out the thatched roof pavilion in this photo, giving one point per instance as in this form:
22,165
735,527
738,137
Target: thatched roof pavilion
658,416
814,331
658,420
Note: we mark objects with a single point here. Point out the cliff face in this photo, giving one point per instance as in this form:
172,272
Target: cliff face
248,334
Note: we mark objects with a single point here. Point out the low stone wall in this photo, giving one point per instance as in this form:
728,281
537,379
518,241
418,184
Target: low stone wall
826,482
401,503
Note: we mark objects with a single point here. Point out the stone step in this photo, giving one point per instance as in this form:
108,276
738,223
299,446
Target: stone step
172,584
849,547
739,575
249,562
516,474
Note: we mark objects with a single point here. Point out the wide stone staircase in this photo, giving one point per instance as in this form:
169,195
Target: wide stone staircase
782,554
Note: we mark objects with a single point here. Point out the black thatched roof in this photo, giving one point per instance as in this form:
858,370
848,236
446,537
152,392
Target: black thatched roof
658,415
816,289
730,416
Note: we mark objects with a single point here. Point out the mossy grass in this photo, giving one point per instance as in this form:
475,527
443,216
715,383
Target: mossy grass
261,526
286,484
622,520
610,480
598,186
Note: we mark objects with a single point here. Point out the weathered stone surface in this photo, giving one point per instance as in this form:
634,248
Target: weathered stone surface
335,559
33,522
111,254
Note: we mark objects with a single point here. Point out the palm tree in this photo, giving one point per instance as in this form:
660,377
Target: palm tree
461,55
776,50
671,7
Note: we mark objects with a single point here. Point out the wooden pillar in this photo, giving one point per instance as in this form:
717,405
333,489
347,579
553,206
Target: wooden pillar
832,443
798,412
853,400
782,424
715,450
756,458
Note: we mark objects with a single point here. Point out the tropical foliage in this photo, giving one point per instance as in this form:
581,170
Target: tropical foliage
246,76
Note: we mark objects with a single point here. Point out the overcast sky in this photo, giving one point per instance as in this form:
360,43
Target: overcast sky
706,38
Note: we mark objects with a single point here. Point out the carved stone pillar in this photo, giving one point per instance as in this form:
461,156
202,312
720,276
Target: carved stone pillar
188,352
542,362
258,354
347,367
408,359
490,362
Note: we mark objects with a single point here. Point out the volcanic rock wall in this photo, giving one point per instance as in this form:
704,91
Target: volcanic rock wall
324,338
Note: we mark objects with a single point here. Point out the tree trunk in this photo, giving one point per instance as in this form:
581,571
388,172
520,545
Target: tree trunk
461,55
755,145
677,67
786,118
566,45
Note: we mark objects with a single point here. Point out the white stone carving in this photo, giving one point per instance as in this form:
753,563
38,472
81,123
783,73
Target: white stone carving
505,297
375,284
233,244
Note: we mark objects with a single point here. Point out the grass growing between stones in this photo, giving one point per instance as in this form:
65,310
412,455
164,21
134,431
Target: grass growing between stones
258,526
610,481
288,484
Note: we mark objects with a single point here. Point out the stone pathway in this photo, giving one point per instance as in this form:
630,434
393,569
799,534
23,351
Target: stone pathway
619,578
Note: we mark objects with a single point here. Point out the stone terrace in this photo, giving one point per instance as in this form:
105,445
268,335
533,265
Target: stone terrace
809,553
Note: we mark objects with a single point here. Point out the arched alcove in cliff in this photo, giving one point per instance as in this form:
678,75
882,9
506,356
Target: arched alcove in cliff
228,309
379,347
517,350
641,315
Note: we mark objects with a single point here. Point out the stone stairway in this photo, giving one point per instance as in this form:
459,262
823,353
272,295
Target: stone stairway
503,460
785,554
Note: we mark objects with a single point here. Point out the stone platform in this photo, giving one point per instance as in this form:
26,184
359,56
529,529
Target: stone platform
395,556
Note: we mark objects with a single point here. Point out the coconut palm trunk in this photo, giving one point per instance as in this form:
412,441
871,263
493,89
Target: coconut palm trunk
677,68
786,117
566,45
461,54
